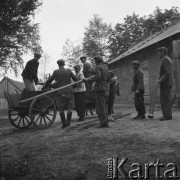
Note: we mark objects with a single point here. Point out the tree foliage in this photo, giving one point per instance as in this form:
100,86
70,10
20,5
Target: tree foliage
72,52
17,32
96,36
135,29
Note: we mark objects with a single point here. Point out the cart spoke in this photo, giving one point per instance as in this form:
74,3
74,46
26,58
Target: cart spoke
45,121
44,110
40,121
48,118
49,105
37,119
23,122
19,121
27,119
15,119
50,114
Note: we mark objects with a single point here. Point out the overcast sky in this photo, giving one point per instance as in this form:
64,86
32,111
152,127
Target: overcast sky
62,19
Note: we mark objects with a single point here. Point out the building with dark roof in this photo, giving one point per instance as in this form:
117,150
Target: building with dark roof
145,52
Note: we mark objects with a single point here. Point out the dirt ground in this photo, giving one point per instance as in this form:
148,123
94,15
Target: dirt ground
70,154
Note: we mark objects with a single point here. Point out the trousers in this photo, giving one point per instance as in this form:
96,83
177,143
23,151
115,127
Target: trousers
111,98
80,103
101,106
139,103
165,100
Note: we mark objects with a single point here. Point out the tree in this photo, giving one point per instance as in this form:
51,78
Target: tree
125,34
135,29
159,20
17,32
72,52
96,36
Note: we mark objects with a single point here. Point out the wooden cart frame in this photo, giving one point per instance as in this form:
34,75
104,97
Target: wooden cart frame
35,108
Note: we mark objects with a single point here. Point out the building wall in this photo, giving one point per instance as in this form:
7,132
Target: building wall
150,63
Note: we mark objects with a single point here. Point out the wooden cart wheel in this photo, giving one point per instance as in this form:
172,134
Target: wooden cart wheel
19,118
42,112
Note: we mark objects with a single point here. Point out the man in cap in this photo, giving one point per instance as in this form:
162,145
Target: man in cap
29,73
138,88
65,98
166,83
102,78
79,94
87,70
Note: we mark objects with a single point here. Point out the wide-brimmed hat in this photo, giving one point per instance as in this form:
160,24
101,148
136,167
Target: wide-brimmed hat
61,62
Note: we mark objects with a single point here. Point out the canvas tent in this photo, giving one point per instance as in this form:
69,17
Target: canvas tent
11,86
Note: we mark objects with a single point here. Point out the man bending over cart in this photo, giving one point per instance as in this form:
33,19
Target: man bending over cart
29,73
63,77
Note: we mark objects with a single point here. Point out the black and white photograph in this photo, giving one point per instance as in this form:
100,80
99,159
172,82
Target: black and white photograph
89,89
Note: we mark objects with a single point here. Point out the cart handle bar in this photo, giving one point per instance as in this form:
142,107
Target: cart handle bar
48,92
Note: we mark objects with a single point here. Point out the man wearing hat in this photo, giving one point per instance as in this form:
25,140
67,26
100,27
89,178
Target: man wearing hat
138,89
87,70
29,73
166,83
65,98
102,78
79,94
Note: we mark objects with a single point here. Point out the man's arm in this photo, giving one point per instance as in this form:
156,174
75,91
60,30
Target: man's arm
49,81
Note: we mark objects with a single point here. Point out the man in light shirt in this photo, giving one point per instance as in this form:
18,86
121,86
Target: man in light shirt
79,94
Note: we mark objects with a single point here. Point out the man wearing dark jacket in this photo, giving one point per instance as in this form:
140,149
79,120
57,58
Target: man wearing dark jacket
102,78
65,98
138,88
166,83
30,71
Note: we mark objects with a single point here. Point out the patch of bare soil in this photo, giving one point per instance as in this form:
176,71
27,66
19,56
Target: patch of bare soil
71,154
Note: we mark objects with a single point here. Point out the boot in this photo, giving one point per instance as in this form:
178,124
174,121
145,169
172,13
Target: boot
69,115
63,120
141,117
103,121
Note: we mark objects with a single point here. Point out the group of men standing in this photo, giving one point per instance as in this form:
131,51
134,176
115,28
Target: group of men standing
104,87
165,82
67,96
